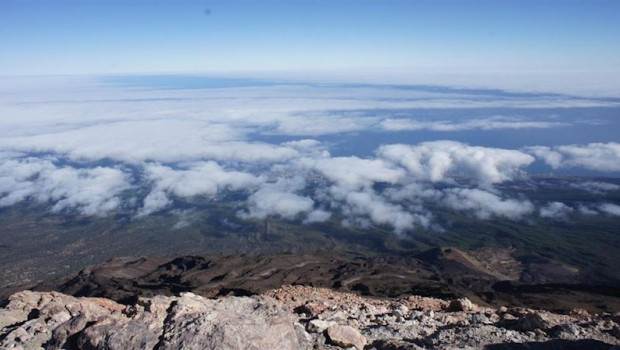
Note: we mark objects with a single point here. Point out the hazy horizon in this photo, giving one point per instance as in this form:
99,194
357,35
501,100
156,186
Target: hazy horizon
552,46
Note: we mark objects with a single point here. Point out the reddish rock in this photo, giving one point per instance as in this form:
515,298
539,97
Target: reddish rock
311,309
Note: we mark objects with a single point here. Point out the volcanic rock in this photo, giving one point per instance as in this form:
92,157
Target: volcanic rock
51,320
346,336
462,304
189,322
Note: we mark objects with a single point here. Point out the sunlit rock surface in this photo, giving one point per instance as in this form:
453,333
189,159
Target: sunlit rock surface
292,317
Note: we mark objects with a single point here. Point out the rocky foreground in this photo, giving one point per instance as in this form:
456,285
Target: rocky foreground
292,317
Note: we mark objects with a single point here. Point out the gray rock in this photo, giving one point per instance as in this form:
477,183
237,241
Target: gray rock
305,339
531,322
479,319
615,331
194,322
318,326
570,331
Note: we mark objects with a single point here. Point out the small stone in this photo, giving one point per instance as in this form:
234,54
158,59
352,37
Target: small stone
493,318
320,339
581,313
311,309
449,319
572,329
616,317
318,326
417,314
565,331
508,317
479,319
462,304
531,322
540,333
615,331
345,336
338,316
403,309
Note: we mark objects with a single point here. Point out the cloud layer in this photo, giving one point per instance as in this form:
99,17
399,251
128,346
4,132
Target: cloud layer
593,156
491,123
97,149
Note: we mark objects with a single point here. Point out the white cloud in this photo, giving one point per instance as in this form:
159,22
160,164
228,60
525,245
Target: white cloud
556,211
202,178
184,143
155,201
595,187
586,210
491,123
548,155
413,192
593,156
91,191
436,161
280,199
610,208
317,216
598,209
484,204
322,124
380,212
160,140
302,144
353,173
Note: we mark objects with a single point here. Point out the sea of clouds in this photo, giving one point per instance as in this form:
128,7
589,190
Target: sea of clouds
77,144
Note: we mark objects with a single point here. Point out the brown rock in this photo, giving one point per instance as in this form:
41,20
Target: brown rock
345,336
581,313
311,309
462,304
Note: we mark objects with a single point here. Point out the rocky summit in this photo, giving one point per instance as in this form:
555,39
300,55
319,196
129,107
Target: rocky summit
293,317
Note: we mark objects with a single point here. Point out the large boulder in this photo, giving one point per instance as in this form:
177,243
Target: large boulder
229,323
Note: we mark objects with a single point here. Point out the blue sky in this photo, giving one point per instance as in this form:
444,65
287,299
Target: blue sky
94,37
